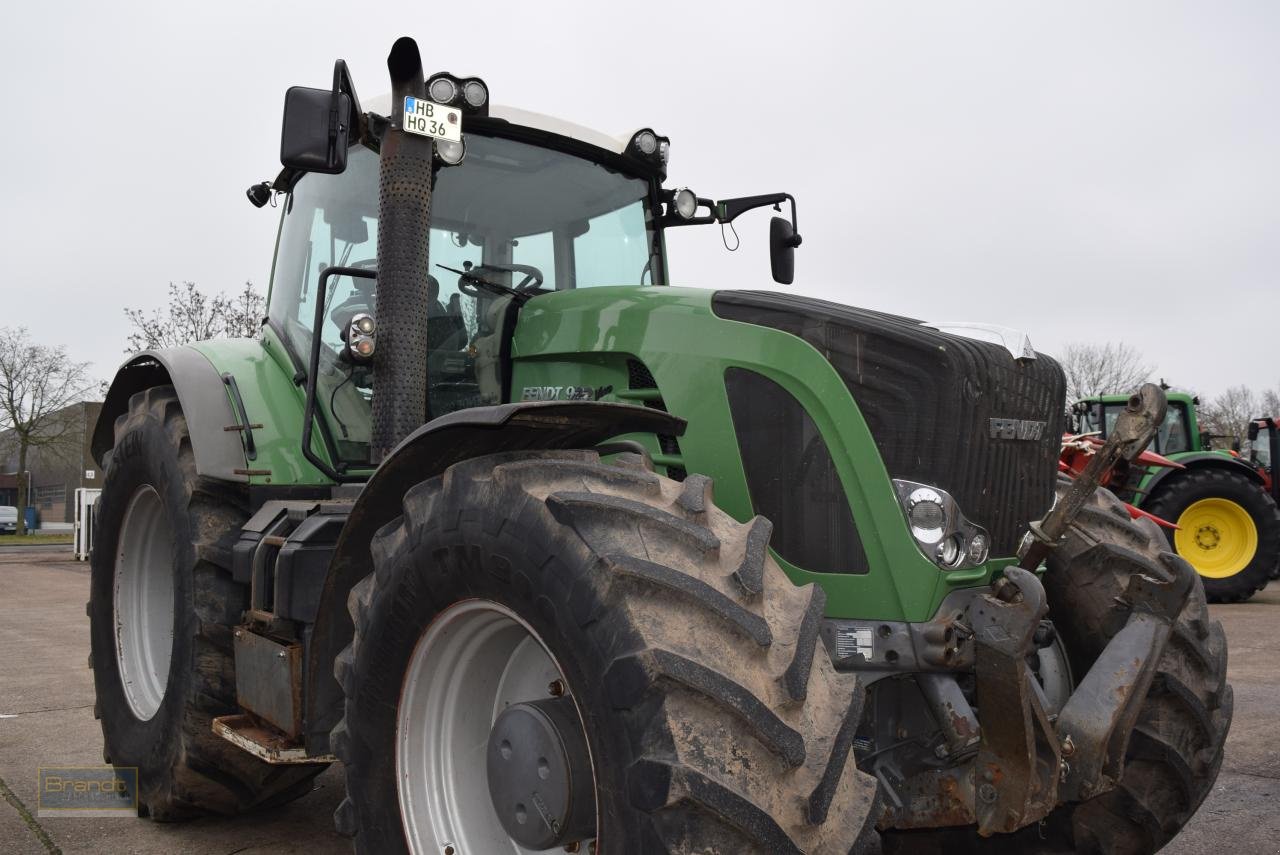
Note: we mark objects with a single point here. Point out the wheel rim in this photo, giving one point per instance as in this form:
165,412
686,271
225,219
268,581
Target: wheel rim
475,659
1217,536
144,602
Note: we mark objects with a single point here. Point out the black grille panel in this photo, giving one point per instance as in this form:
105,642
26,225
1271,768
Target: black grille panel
792,478
928,398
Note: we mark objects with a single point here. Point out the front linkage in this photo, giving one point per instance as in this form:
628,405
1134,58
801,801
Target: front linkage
1029,761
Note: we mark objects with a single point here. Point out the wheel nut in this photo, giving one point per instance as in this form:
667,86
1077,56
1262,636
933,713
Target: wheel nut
556,689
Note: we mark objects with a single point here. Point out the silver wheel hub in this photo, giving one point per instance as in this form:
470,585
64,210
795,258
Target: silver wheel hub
480,677
143,600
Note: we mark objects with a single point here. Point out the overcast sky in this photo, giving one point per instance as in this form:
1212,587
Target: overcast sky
1082,171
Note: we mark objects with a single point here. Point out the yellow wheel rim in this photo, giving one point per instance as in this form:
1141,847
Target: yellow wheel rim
1217,537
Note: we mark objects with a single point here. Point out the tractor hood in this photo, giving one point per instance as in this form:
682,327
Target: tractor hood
944,409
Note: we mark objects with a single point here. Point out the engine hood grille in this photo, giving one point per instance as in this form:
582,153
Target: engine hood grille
956,413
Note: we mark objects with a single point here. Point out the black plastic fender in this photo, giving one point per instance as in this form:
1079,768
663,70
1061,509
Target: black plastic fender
1201,460
424,454
219,453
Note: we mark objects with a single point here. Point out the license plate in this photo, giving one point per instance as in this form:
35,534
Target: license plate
429,119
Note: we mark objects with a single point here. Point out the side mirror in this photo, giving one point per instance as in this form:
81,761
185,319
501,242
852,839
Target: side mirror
783,241
315,133
1206,439
1253,431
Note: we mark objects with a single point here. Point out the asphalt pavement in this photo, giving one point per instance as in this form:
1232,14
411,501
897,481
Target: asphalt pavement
46,719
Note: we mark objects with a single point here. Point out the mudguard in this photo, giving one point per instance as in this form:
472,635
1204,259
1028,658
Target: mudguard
219,452
424,454
1197,460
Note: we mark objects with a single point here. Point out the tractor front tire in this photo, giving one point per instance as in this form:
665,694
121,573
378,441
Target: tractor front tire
161,609
713,719
1230,530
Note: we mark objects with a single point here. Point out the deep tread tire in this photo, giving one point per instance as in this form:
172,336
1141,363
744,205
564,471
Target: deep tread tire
1177,492
1176,747
715,727
184,769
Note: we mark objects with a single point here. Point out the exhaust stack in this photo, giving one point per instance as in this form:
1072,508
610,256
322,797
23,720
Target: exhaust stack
404,218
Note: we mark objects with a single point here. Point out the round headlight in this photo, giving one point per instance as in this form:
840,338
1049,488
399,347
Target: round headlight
474,93
926,515
686,203
647,142
442,90
450,152
949,551
363,323
664,151
978,548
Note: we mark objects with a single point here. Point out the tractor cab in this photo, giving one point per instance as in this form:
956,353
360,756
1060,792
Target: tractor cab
521,215
519,205
1264,451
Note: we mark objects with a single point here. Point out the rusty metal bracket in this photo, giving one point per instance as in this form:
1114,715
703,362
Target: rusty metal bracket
1133,431
1019,757
1100,714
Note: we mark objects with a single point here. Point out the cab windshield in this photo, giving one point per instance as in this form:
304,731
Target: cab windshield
1260,449
562,221
1171,438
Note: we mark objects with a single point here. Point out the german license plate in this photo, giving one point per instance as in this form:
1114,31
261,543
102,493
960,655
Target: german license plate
429,119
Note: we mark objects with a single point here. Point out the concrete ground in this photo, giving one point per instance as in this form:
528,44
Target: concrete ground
46,719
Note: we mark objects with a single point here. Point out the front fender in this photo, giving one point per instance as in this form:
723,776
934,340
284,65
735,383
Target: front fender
424,454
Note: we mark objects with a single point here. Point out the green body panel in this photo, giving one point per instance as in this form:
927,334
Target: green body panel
264,376
584,338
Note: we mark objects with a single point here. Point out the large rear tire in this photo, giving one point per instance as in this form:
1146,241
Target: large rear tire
1229,530
714,719
161,607
1176,746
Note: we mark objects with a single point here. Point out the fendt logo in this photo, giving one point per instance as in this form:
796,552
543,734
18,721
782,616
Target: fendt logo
1023,429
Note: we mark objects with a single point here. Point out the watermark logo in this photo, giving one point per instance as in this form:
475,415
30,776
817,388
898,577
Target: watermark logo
87,791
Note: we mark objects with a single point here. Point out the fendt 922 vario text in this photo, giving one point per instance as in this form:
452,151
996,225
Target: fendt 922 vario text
451,521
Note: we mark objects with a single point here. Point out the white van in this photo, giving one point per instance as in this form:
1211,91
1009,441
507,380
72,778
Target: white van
8,519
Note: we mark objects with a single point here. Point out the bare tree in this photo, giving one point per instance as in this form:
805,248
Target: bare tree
1102,369
1227,416
37,383
193,315
1270,403
244,313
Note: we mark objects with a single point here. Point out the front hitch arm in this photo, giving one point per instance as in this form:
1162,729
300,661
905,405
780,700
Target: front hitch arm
1133,431
1094,724
1019,758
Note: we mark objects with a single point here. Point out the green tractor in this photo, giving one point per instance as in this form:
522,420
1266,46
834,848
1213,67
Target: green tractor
451,521
1228,525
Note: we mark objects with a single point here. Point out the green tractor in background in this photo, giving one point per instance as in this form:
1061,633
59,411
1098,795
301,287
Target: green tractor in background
1223,504
451,521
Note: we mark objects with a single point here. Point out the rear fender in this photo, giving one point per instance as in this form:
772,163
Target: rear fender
219,453
1198,460
424,454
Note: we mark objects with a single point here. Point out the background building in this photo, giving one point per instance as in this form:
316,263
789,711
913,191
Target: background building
56,470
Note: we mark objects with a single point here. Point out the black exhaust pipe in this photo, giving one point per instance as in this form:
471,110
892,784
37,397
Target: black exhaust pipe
404,219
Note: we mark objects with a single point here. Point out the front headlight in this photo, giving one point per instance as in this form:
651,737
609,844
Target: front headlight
940,530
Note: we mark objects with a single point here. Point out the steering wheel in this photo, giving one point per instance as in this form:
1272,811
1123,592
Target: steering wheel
532,276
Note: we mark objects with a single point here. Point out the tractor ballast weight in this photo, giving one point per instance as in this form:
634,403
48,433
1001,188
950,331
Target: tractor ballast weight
496,569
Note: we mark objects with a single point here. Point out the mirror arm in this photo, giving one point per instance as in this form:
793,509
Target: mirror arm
342,83
728,210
